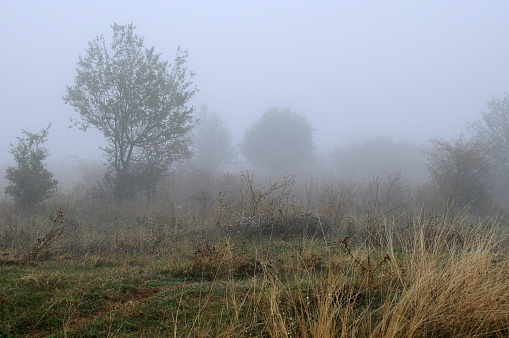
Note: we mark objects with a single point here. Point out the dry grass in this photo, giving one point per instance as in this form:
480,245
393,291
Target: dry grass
458,289
181,271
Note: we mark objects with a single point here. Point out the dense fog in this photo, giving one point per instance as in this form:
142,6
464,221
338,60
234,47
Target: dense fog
254,168
373,81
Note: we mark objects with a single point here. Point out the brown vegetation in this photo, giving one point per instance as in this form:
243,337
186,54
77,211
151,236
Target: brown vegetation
253,260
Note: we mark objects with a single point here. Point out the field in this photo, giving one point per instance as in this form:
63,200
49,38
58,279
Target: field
255,258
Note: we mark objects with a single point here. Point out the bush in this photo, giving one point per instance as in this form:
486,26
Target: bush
30,181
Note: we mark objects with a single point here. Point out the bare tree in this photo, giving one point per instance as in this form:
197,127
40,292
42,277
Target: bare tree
492,130
460,170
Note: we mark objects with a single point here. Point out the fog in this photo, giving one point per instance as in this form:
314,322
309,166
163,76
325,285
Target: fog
408,70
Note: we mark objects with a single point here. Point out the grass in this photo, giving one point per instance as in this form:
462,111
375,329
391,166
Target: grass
177,274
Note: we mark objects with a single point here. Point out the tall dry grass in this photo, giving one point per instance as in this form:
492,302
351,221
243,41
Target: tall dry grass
452,281
455,283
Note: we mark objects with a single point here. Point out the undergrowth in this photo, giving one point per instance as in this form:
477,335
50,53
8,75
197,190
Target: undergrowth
253,262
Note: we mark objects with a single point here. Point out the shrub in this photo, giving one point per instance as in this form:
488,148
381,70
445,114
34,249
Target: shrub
30,181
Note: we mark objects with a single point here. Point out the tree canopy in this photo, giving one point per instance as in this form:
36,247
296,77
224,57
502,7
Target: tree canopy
279,141
139,102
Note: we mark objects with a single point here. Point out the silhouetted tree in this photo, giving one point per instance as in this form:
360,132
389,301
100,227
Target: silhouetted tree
139,102
492,130
212,142
460,169
279,141
30,181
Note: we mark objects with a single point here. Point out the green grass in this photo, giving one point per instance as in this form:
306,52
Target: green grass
161,296
79,299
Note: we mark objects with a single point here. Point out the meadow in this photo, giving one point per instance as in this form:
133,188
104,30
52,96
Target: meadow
237,256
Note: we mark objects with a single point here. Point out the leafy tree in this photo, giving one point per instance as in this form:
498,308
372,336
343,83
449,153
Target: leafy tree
279,141
212,142
460,169
139,102
30,181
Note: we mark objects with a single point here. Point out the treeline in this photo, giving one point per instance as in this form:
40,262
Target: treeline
140,103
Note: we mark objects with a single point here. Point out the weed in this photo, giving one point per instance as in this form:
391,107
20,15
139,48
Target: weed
367,267
43,246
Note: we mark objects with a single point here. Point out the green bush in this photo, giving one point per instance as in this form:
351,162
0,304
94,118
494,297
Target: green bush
30,181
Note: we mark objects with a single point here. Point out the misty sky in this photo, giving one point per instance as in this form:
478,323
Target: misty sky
410,69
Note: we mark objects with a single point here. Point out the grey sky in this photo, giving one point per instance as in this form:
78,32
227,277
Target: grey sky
411,69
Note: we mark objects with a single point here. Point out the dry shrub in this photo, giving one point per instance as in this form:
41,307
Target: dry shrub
286,225
267,210
40,249
336,202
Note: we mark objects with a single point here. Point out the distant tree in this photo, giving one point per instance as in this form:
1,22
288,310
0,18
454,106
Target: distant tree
30,181
139,102
279,141
212,142
379,156
460,170
492,130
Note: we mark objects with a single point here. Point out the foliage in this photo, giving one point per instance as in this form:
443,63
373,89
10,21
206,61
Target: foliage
30,181
279,141
139,102
212,142
460,169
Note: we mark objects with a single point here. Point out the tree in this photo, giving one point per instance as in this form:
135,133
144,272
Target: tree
139,102
460,169
492,130
279,141
30,181
212,142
